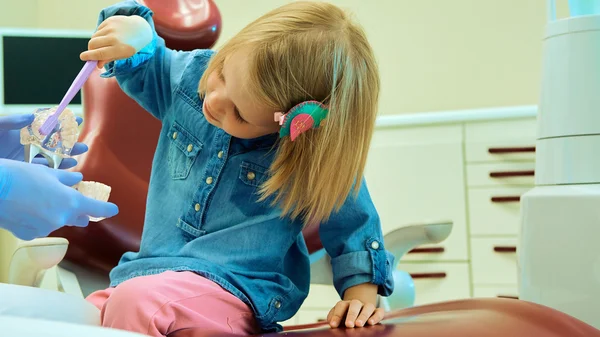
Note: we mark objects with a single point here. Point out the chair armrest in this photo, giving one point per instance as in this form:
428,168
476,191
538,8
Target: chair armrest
33,327
402,240
398,242
22,301
67,282
8,243
31,260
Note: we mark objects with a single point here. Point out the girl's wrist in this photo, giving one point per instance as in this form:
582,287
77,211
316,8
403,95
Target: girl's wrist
365,292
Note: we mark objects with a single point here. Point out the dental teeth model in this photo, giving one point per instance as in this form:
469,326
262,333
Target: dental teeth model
57,144
94,190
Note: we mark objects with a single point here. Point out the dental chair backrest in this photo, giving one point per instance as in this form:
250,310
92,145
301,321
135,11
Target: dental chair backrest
122,158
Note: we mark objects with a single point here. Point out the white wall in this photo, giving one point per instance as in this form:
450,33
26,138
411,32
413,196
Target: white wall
434,55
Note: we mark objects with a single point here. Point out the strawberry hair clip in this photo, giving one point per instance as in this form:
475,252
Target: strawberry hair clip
301,118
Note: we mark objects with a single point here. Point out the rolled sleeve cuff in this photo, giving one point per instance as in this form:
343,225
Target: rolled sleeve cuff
129,8
119,67
373,265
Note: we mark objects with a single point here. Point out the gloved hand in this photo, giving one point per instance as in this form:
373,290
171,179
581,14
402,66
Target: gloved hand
118,37
10,141
36,200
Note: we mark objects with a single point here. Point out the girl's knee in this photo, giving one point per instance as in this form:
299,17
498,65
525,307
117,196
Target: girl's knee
131,305
99,298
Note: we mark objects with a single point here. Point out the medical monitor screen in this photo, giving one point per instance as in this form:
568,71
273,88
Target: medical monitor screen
40,70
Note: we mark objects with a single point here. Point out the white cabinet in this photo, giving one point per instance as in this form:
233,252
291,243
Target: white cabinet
496,292
415,175
438,282
472,173
308,316
494,260
500,174
321,297
500,161
509,140
495,210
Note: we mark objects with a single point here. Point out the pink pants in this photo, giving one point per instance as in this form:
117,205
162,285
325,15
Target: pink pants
173,304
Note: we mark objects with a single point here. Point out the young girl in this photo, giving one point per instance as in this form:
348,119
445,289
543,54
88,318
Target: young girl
259,140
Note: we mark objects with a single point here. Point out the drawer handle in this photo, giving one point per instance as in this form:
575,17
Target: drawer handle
427,275
514,198
505,249
508,296
507,174
504,150
427,250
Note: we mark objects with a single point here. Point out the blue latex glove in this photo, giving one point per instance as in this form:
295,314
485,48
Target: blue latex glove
10,140
36,200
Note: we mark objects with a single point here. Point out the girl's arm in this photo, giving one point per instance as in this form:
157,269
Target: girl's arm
126,43
365,293
362,268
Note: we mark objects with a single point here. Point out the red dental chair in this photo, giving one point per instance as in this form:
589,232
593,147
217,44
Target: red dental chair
122,159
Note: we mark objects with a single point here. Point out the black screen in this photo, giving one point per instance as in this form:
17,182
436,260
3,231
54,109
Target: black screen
40,70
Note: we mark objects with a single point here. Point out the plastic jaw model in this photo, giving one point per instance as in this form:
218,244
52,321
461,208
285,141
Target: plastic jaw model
57,144
94,190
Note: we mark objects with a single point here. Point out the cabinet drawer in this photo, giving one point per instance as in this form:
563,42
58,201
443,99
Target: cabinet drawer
491,142
495,211
501,174
496,291
438,282
321,297
494,261
500,151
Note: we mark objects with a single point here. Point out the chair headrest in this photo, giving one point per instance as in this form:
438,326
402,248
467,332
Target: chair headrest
186,24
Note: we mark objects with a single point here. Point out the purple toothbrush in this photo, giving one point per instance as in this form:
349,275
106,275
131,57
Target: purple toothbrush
83,75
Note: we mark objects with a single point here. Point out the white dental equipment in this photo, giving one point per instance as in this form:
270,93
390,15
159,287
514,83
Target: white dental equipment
559,253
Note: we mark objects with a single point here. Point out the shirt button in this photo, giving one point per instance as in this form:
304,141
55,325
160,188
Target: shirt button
277,304
197,207
209,180
375,245
190,148
251,176
220,155
174,135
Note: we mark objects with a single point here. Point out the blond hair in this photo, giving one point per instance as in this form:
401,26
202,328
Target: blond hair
312,51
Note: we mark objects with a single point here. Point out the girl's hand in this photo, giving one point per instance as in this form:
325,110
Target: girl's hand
118,37
356,314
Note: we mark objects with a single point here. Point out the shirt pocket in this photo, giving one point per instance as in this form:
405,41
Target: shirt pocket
183,151
252,174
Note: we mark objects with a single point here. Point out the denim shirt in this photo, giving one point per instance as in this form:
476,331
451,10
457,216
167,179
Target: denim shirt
202,213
